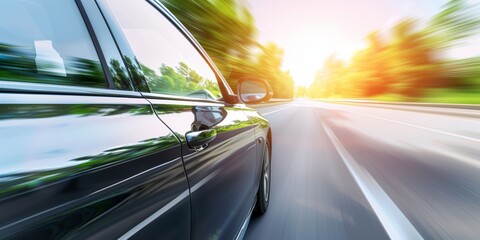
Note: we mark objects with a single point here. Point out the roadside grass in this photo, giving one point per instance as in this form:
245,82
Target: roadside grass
453,96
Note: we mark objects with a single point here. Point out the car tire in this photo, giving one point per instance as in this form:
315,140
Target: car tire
263,194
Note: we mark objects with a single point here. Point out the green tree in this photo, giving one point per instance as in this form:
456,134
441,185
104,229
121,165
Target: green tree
300,91
328,79
269,68
408,61
224,28
457,21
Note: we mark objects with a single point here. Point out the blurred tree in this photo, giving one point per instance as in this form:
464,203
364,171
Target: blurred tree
457,21
328,80
408,62
17,63
84,71
413,62
190,75
300,91
269,68
226,30
119,75
372,64
178,80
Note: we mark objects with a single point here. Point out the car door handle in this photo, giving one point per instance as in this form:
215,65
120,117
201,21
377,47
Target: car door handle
199,140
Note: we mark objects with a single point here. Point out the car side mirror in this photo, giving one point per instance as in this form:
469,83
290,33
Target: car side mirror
253,91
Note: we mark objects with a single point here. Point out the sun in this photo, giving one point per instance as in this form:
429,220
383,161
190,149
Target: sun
306,55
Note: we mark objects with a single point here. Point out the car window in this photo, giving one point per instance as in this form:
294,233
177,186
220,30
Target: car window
47,42
170,63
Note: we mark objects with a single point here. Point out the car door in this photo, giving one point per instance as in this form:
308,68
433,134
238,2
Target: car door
82,155
188,96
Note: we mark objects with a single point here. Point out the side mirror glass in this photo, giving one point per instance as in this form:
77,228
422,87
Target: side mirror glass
252,91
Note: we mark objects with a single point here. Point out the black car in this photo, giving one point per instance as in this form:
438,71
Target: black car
103,132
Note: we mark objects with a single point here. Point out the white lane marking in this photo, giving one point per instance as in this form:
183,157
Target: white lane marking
265,114
419,127
155,215
392,219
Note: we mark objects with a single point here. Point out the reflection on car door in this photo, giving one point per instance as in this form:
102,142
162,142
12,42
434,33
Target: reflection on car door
78,160
78,166
222,177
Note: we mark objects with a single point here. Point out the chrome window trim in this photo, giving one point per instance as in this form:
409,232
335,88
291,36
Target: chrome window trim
27,87
182,99
47,99
96,44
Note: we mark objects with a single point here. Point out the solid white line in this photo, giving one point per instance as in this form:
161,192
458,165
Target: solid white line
265,114
395,223
155,215
419,127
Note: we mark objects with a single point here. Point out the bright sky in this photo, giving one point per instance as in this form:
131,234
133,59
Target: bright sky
311,30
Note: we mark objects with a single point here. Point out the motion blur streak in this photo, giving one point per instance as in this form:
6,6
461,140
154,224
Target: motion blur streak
394,222
424,128
428,175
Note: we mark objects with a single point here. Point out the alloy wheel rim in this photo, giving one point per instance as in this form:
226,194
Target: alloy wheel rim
266,177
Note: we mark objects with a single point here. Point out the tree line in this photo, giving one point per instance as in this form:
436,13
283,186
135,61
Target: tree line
408,61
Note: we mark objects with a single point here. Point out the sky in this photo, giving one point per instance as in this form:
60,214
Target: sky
310,31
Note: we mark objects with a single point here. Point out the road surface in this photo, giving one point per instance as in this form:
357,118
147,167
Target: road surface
364,172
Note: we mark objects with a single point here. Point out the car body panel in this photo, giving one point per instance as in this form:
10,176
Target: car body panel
70,162
80,162
262,134
222,177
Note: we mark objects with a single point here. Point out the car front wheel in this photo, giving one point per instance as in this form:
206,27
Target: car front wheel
263,194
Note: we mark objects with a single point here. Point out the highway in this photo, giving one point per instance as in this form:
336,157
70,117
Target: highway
357,171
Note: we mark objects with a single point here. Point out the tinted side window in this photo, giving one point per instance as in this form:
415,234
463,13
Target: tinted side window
169,61
47,42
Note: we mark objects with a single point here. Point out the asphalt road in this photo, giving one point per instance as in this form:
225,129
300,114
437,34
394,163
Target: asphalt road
364,172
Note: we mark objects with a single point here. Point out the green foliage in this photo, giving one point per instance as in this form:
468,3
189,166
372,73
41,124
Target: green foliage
18,63
407,63
300,92
226,30
179,80
268,67
325,83
459,96
457,21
